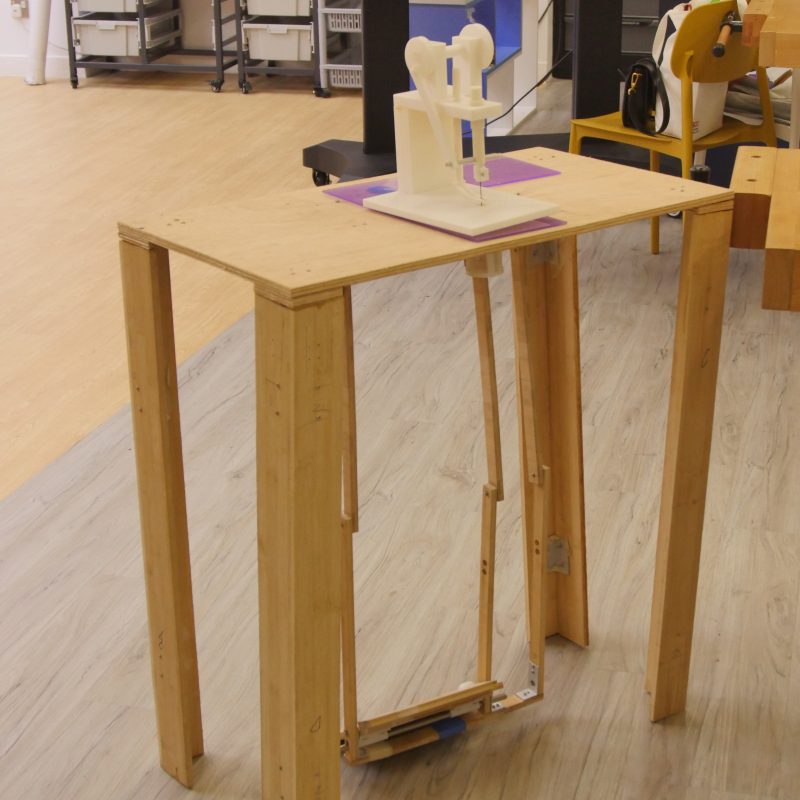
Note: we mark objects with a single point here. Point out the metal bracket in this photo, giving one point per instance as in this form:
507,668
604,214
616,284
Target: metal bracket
558,555
534,678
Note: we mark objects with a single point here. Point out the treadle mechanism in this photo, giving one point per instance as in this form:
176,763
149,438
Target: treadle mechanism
453,713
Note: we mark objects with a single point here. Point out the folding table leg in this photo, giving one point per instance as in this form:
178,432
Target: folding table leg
698,331
299,379
548,379
162,503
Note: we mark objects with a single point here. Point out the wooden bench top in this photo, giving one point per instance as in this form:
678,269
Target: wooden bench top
767,215
774,27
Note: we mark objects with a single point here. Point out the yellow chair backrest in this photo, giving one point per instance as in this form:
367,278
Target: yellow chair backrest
692,56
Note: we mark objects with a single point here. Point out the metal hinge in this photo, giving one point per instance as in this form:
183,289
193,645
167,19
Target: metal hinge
534,678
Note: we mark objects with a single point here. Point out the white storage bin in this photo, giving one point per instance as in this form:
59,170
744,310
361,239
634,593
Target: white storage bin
116,37
278,42
109,6
343,20
344,76
279,8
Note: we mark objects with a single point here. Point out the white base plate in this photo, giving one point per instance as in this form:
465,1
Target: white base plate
452,210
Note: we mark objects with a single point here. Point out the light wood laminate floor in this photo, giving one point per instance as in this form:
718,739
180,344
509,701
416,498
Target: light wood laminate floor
76,715
74,162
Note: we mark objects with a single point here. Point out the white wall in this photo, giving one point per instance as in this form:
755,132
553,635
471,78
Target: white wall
14,41
545,38
509,82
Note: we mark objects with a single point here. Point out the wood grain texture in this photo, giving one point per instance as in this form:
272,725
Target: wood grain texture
299,379
348,636
486,599
76,710
754,18
350,445
783,232
491,406
752,180
774,25
267,240
156,141
698,328
162,502
548,347
782,257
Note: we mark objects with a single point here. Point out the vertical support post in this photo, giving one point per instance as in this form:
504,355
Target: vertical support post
698,330
548,371
162,504
480,268
655,222
486,599
540,519
349,671
299,379
491,405
349,527
350,448
794,131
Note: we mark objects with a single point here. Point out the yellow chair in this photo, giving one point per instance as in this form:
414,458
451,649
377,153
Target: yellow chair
692,61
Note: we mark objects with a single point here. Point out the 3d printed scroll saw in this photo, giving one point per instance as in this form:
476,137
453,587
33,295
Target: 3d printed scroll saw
430,165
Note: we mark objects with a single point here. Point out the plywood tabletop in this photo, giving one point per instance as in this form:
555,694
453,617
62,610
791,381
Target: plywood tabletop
297,244
774,26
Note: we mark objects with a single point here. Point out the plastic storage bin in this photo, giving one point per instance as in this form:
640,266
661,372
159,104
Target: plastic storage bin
120,37
343,20
344,76
272,41
110,6
279,8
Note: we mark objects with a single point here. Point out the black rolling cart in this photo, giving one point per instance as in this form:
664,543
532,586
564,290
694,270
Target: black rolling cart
144,35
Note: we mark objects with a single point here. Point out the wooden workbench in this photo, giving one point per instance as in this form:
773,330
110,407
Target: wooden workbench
774,27
301,251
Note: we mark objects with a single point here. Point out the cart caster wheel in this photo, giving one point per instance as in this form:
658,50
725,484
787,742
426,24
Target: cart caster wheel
320,92
675,214
320,178
74,83
246,87
216,86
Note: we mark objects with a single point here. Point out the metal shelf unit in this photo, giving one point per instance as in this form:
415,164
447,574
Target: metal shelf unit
276,44
341,67
150,51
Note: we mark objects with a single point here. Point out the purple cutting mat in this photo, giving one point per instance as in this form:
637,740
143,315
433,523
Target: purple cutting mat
502,170
506,170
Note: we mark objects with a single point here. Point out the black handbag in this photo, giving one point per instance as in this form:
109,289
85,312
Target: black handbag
643,86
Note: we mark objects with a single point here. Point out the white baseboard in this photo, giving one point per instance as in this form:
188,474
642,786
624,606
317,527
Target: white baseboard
17,65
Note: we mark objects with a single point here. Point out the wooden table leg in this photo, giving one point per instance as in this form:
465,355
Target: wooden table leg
299,378
162,504
548,352
698,330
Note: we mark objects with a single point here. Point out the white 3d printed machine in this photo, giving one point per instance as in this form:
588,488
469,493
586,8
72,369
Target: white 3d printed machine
431,185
